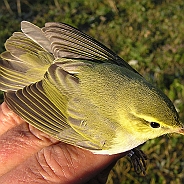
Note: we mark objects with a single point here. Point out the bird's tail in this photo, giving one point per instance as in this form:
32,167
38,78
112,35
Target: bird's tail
25,60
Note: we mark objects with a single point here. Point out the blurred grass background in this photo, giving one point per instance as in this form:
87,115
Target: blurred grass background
147,34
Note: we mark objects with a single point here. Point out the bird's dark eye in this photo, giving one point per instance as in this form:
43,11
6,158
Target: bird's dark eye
155,125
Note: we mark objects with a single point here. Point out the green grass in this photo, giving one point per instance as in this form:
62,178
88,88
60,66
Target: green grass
150,32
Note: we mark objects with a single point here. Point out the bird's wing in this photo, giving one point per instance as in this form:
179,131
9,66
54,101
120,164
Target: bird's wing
34,107
69,42
44,106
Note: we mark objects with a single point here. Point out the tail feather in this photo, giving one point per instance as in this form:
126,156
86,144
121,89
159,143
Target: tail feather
36,34
23,63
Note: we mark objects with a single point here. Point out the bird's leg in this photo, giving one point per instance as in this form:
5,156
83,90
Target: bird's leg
138,159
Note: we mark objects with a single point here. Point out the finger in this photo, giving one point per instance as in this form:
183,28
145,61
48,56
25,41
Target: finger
8,119
60,163
19,143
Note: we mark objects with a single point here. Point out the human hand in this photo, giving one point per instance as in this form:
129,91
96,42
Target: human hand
28,155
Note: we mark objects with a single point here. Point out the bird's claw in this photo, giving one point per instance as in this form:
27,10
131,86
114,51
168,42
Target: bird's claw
138,159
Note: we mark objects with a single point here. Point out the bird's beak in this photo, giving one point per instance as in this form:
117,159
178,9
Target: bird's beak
181,131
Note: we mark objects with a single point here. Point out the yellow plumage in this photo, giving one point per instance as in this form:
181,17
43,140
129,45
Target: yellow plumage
75,89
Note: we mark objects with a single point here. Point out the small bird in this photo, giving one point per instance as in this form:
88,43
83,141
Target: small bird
73,88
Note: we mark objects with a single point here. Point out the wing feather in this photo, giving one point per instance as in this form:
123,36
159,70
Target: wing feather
69,42
32,104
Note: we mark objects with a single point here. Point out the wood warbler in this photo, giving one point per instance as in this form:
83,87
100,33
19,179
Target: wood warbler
70,86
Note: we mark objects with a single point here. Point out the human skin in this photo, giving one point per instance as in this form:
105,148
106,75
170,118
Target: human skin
29,156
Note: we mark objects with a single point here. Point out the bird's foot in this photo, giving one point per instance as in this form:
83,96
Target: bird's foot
138,159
